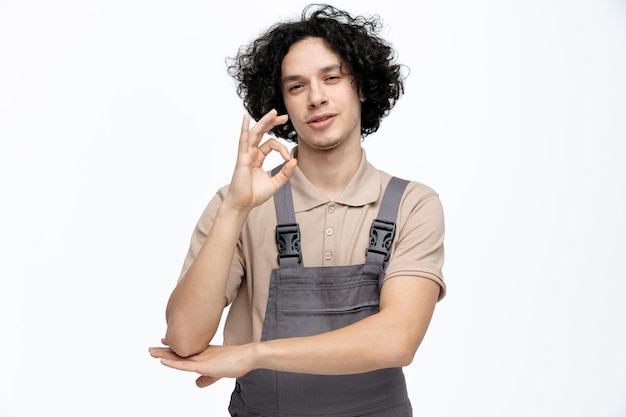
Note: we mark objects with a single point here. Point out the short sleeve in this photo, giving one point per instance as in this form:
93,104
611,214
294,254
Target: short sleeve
418,248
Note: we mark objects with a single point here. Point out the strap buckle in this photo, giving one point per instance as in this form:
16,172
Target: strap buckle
382,233
288,241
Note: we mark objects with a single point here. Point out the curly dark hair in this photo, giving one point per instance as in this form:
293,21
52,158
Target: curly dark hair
371,60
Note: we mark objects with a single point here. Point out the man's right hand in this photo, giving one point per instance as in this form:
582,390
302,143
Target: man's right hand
251,185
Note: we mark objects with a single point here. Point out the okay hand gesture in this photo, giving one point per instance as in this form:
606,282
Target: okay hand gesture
251,185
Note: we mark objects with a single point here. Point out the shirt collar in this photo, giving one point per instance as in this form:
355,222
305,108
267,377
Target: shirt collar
364,188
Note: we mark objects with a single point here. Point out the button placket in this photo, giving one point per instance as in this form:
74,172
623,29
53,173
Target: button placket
329,231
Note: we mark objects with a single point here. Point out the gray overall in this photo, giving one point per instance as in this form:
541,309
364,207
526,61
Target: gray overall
305,301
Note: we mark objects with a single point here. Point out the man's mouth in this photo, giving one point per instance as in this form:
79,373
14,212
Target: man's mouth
321,120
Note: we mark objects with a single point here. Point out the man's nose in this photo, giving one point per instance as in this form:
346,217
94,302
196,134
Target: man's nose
317,95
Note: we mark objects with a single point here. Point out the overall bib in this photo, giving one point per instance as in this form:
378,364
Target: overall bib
305,301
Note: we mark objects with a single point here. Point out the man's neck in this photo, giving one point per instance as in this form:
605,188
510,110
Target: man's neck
330,171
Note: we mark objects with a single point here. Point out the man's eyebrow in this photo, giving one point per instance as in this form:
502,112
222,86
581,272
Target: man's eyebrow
328,68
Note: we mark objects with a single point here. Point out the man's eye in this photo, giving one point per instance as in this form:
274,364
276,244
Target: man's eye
295,87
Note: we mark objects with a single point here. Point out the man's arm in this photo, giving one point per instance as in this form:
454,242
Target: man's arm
196,304
389,338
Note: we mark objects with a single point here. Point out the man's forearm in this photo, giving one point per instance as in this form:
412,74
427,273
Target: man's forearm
196,305
387,339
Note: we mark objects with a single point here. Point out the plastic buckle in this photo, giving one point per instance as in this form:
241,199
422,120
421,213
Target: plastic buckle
381,237
288,241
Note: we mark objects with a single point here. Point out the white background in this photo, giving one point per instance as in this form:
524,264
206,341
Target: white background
118,122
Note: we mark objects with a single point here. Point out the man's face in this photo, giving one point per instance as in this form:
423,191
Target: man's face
320,96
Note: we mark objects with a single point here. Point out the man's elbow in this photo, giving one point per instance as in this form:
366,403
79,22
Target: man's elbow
184,346
183,350
403,355
402,351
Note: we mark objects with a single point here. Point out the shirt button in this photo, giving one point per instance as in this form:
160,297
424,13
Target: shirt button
328,255
331,209
329,231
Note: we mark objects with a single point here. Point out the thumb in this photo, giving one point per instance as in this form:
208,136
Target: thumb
285,172
205,381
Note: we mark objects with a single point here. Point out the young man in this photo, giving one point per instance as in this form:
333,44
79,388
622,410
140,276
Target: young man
331,282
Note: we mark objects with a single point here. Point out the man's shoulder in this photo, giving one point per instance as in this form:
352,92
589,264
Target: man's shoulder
415,188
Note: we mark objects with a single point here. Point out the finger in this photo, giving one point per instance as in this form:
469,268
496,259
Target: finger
269,121
161,352
243,135
274,145
181,365
154,351
204,381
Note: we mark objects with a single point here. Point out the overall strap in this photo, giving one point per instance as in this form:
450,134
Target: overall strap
287,230
382,231
383,228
